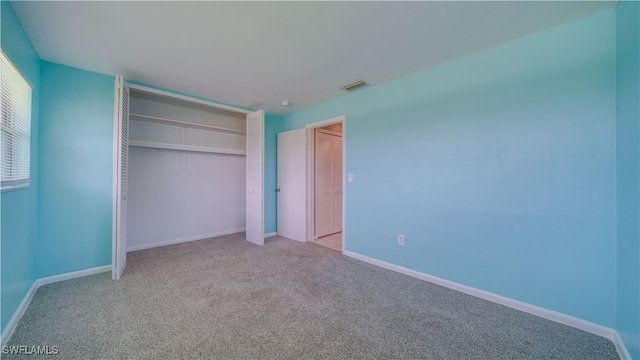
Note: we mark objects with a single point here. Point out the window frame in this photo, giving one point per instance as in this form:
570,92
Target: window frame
16,133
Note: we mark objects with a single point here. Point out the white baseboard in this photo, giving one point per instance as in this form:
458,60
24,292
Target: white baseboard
561,318
268,235
622,349
182,240
11,326
599,330
73,275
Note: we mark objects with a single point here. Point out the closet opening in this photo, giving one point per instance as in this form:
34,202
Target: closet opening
181,170
186,171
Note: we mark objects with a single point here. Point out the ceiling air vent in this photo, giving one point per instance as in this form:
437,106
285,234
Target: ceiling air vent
355,85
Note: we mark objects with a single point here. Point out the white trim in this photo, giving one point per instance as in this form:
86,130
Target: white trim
17,315
268,235
620,347
344,182
311,175
577,323
11,326
328,122
187,98
72,275
193,148
183,240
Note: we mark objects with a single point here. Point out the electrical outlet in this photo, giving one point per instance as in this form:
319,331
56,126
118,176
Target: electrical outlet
400,239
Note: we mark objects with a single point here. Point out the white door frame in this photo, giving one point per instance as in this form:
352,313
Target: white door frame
311,216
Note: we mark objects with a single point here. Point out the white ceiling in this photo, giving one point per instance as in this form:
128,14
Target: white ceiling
257,54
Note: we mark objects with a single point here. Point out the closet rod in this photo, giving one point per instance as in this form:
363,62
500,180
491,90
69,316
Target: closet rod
187,124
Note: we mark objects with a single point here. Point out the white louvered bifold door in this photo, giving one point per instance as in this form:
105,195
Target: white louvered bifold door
255,178
121,165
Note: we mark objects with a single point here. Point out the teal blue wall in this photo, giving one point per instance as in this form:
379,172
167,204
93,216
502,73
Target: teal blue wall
19,219
76,166
628,173
273,125
498,167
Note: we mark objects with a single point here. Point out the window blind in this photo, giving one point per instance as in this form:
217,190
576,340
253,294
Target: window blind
15,114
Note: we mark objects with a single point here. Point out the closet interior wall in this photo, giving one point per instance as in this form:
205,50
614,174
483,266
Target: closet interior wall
186,171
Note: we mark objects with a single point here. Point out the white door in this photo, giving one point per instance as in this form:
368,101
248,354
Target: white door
292,184
255,178
120,170
328,184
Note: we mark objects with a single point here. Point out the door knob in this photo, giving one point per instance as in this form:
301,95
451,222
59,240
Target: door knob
278,190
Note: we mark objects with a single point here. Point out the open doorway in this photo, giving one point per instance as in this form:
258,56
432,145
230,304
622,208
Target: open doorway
327,186
325,190
299,199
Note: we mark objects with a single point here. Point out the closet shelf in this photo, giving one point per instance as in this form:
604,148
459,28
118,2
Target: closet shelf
186,124
168,146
